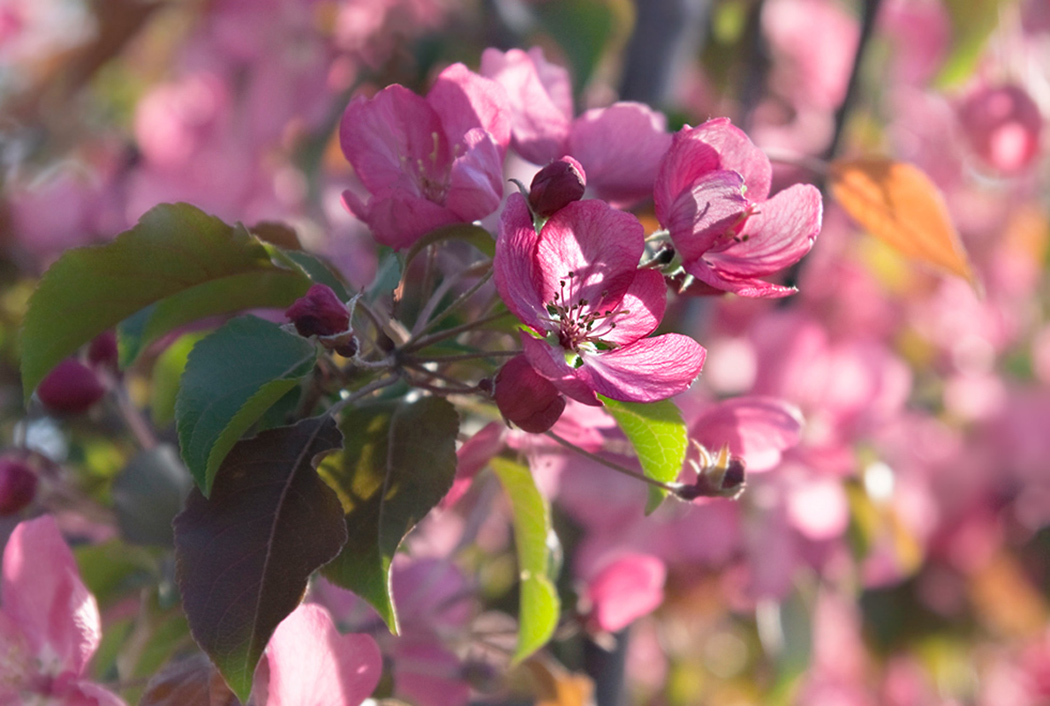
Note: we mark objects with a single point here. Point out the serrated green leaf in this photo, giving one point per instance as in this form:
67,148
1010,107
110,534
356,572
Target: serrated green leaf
231,378
398,461
659,437
187,263
532,528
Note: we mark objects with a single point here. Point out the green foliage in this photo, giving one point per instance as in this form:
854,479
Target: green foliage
973,22
399,460
271,517
232,377
659,437
586,30
184,262
532,534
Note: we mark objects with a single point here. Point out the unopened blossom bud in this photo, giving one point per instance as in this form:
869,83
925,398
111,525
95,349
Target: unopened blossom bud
319,313
103,352
556,186
722,476
1003,125
17,485
71,388
526,398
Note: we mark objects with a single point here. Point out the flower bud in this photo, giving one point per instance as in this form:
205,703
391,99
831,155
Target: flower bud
723,476
319,313
525,398
71,388
17,485
103,352
1003,125
556,186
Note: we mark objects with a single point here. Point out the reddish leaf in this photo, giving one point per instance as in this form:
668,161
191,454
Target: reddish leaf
245,554
193,681
899,204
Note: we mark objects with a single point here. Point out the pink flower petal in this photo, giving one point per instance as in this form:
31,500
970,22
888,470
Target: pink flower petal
625,590
647,370
540,99
779,234
399,219
621,148
311,664
549,362
736,152
43,595
644,303
476,178
600,245
756,428
701,218
517,279
395,128
464,100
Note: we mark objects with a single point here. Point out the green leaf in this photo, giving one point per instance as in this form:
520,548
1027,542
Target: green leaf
244,556
187,263
398,461
532,538
586,30
231,378
320,272
973,22
659,437
164,381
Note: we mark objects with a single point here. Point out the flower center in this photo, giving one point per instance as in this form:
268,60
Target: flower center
578,325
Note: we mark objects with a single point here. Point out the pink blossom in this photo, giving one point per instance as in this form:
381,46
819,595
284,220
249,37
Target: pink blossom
427,162
309,663
625,589
49,622
712,196
619,146
577,286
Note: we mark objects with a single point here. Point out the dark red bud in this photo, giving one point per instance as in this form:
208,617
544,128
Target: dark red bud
103,352
319,313
71,388
525,398
17,485
556,186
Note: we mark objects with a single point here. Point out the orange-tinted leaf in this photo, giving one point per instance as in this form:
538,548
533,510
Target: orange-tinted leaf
899,204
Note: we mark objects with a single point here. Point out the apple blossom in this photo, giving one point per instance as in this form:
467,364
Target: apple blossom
17,484
711,195
71,388
589,309
427,162
49,623
620,145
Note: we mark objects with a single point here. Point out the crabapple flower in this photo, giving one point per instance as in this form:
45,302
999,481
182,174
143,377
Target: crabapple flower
49,623
589,309
711,195
427,162
309,663
620,145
